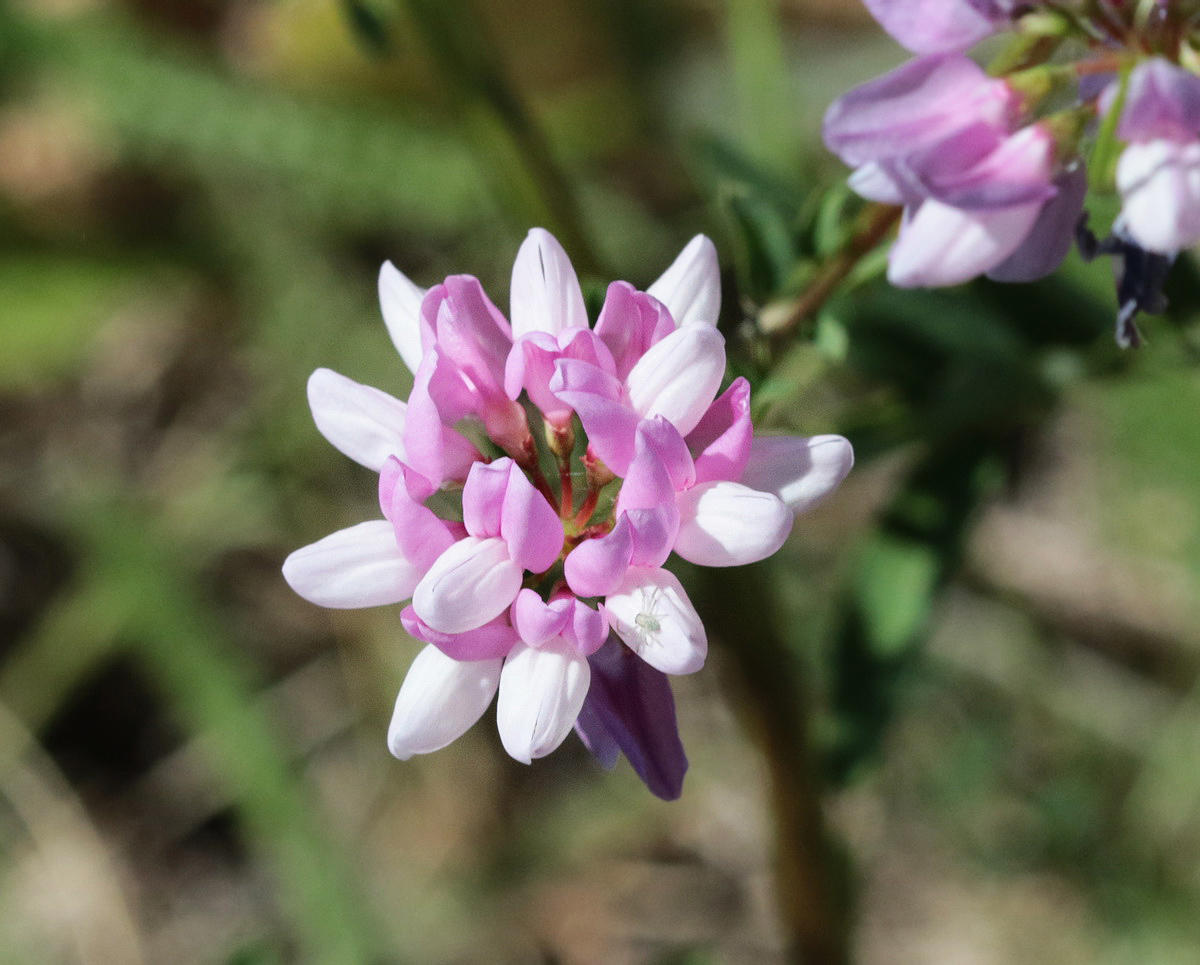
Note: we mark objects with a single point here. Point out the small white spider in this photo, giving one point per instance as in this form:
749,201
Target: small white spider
648,622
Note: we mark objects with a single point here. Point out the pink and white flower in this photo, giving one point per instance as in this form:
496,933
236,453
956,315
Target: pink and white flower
548,584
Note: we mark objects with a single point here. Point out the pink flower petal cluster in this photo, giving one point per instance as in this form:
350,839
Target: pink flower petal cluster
533,563
983,192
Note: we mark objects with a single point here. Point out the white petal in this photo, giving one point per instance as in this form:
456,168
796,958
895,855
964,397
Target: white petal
471,583
940,245
651,612
354,567
727,524
400,301
545,291
800,471
439,700
1160,184
541,692
678,377
363,422
691,287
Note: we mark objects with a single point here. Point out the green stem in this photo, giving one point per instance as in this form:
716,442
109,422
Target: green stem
811,897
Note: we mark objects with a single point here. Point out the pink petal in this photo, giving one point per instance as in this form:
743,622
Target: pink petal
471,583
494,639
800,471
355,567
362,422
545,291
691,287
529,525
541,691
651,612
589,628
654,533
728,524
536,621
595,397
647,483
421,535
723,436
664,440
597,566
439,701
483,497
401,301
679,377
629,323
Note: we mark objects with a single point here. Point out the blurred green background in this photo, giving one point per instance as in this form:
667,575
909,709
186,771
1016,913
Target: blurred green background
980,655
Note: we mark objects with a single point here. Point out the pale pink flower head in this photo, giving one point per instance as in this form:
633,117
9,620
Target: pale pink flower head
534,557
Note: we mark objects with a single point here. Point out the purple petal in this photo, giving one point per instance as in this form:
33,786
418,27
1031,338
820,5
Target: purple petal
483,497
419,533
1162,101
664,440
630,708
529,525
648,483
913,107
654,533
977,168
595,396
938,26
536,621
1052,234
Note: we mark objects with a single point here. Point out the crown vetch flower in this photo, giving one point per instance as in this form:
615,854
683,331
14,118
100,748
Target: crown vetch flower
543,579
990,169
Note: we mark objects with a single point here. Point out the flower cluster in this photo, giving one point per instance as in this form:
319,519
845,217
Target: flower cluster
532,488
990,167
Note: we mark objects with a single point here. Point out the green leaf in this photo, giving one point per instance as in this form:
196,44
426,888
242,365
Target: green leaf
895,584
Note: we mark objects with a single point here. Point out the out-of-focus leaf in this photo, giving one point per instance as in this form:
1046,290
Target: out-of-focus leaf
894,582
370,21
